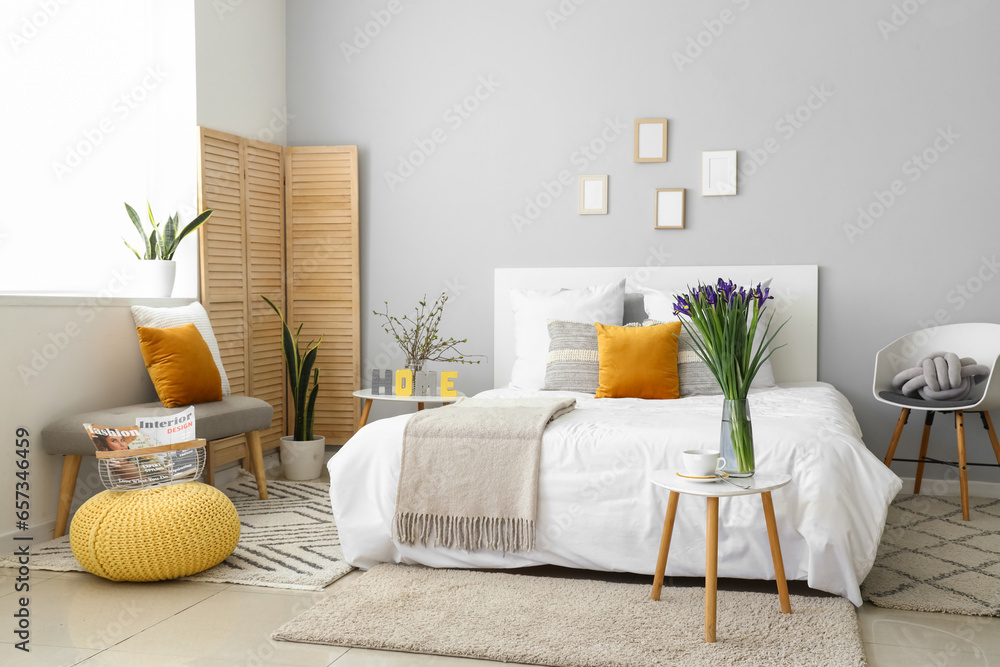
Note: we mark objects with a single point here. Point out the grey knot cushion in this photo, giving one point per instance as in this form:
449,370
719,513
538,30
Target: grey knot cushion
941,376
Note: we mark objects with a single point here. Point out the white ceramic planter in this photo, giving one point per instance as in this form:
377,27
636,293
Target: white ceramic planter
302,459
151,277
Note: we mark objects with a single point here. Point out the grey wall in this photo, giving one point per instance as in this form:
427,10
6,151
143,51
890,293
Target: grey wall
562,85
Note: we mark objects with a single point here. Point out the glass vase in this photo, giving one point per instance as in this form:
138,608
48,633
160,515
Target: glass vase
736,437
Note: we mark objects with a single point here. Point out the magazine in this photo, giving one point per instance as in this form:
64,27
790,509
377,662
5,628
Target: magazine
130,471
168,430
156,468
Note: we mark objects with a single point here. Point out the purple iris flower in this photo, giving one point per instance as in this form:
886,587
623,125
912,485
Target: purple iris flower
726,288
761,295
682,307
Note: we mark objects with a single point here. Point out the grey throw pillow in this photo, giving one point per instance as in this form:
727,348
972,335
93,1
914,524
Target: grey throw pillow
572,363
695,377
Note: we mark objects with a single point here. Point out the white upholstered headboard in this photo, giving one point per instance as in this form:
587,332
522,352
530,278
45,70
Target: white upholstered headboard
794,288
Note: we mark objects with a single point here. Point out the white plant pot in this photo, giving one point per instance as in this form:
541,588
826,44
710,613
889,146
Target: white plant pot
151,277
302,459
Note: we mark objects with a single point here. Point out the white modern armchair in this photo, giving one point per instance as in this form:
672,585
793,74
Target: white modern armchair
979,341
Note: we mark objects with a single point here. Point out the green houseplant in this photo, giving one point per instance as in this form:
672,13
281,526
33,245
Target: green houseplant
155,272
722,321
301,452
162,243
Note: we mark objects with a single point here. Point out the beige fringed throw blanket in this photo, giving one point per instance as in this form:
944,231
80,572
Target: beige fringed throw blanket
469,473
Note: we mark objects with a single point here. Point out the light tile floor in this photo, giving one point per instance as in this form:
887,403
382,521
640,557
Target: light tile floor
79,619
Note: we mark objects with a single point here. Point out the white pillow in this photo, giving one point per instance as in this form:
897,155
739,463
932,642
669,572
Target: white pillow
168,318
660,307
534,308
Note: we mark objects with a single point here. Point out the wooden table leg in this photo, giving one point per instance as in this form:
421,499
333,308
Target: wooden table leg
711,566
963,473
420,406
364,413
779,565
661,560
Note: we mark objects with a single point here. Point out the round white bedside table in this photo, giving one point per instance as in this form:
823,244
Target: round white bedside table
762,483
369,398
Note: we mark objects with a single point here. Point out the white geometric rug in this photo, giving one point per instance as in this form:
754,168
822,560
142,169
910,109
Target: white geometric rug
287,541
931,560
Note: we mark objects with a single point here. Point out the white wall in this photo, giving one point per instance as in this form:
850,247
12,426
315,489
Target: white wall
827,105
62,355
241,67
99,107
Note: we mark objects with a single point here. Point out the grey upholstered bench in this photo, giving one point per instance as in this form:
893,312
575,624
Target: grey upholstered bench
233,415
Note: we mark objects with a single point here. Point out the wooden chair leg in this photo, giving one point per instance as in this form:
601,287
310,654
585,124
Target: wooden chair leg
661,559
928,420
71,468
963,474
257,458
779,564
711,567
993,435
903,416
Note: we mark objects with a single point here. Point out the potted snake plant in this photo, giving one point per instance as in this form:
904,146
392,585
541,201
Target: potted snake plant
302,452
154,274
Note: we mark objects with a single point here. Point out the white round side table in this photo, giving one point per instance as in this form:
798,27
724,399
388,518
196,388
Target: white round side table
369,398
762,483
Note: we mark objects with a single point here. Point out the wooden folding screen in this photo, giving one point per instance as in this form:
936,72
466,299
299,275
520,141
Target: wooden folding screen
285,226
321,233
243,257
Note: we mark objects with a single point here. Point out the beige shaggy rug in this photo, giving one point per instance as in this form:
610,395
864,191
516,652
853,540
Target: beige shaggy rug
557,621
931,560
287,541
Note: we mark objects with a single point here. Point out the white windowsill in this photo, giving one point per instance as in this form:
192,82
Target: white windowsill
71,299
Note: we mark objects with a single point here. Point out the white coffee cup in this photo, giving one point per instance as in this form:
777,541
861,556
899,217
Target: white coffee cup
703,462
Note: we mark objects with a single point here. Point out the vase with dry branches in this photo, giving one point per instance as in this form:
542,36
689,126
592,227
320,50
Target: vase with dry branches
418,335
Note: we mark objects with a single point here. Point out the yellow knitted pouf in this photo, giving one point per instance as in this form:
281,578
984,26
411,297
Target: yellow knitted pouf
153,534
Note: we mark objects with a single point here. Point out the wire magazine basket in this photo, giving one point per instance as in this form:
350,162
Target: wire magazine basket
149,467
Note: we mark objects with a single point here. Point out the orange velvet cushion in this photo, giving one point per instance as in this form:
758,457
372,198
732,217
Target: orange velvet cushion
638,362
180,365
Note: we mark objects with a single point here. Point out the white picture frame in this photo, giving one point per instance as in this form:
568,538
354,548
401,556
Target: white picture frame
718,173
650,140
594,194
668,212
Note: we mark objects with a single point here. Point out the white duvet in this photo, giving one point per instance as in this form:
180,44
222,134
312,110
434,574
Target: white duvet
597,509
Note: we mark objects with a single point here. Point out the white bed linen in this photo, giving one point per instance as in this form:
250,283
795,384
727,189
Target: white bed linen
597,509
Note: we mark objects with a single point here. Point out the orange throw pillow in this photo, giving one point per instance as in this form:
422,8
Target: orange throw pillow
638,362
180,365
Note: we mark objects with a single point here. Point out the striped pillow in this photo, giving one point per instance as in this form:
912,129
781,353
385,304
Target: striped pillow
572,362
193,313
696,379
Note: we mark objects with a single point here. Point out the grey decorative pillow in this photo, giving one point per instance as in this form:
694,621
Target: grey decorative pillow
572,363
695,377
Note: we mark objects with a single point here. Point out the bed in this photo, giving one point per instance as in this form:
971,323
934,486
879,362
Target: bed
597,509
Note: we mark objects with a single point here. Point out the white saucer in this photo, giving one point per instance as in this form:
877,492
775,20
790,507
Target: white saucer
703,480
